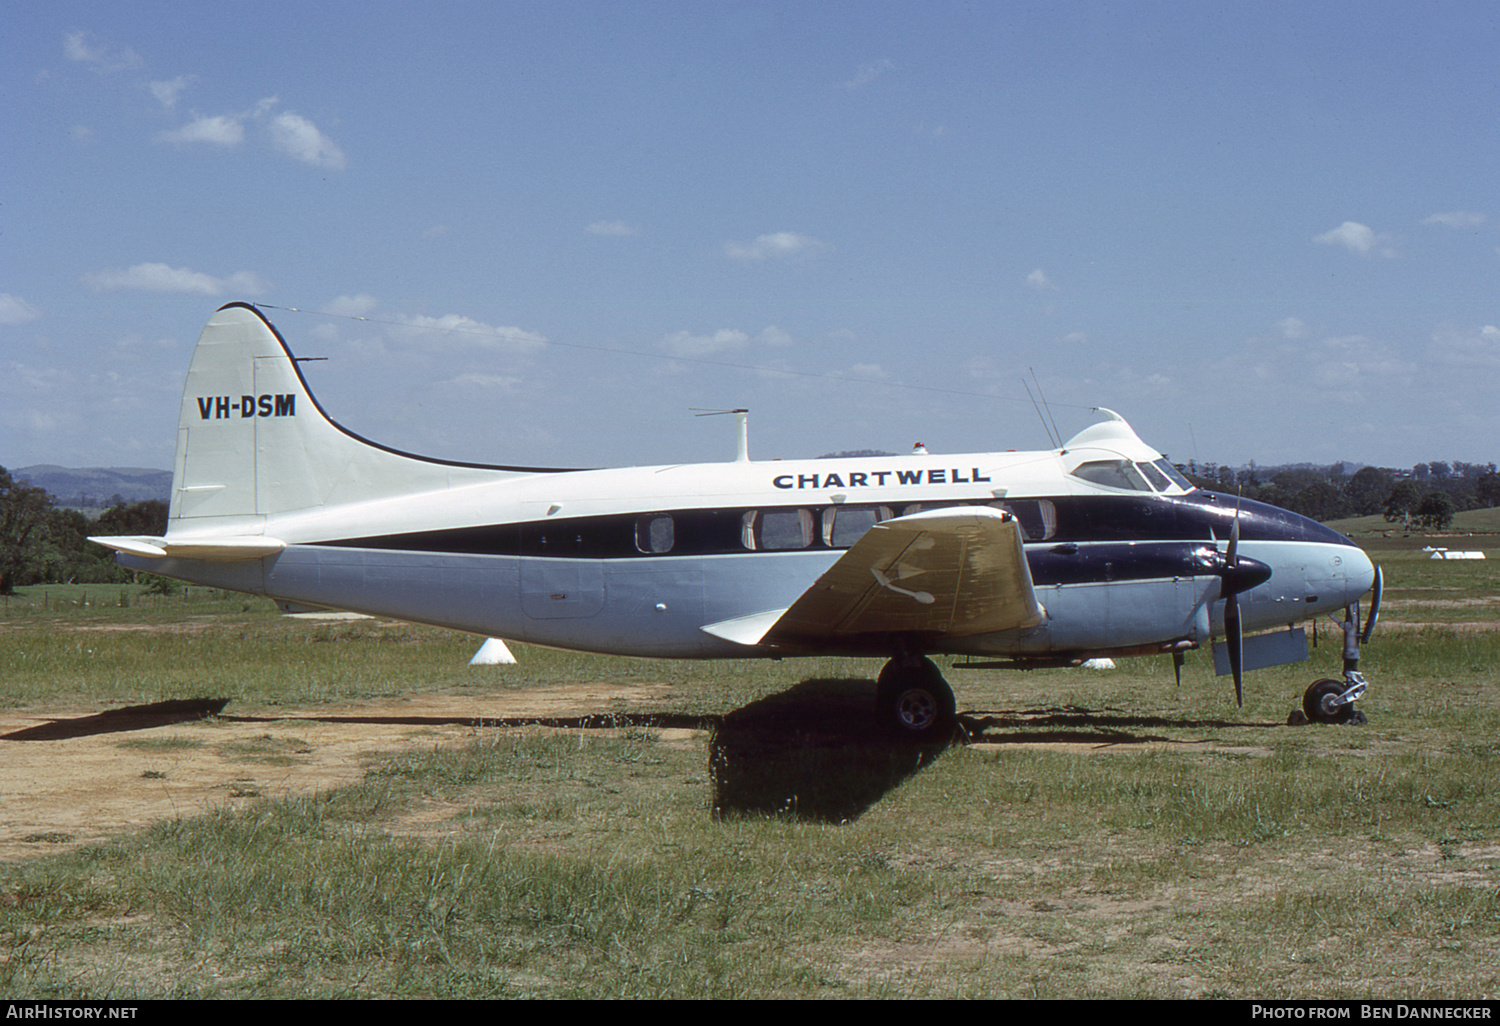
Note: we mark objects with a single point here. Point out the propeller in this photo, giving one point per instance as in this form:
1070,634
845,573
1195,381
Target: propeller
1237,575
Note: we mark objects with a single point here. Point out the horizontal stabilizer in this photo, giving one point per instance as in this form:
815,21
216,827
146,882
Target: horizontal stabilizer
214,550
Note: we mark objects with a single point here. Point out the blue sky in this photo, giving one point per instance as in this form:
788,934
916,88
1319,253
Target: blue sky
1256,230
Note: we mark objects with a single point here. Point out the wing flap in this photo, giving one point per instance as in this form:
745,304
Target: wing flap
948,572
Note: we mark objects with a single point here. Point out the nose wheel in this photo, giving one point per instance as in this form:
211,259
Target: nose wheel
1332,701
914,699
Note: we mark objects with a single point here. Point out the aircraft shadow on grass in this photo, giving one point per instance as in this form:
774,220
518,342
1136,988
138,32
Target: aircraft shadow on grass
818,751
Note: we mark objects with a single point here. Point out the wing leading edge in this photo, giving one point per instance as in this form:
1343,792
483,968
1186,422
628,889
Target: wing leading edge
946,573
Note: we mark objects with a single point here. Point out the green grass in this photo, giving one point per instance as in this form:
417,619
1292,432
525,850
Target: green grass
1111,834
1473,521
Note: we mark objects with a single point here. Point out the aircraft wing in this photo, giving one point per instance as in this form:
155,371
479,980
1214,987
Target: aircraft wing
947,572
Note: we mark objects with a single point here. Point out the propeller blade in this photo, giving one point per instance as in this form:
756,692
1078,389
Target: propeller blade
1231,557
1364,635
1234,642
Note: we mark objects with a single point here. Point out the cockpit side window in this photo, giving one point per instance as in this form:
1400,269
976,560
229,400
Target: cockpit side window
1112,474
1156,477
1176,478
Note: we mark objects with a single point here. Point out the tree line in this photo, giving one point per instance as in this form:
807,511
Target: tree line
1427,496
44,543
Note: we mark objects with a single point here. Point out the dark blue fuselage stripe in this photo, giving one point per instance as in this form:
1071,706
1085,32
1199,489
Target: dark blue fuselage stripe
1095,538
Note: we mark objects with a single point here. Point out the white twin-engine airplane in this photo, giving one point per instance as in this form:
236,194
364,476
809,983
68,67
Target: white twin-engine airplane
1017,559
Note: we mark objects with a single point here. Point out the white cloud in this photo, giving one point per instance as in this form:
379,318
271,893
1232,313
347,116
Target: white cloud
687,345
298,137
103,59
868,73
351,306
1038,280
289,133
166,92
15,310
222,130
776,244
493,382
610,228
454,330
1292,327
161,278
684,343
1358,238
1456,219
1467,349
773,336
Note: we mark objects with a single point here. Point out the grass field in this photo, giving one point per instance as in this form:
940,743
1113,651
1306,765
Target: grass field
745,832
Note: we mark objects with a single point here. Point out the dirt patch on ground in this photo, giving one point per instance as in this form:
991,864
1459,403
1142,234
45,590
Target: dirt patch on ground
74,778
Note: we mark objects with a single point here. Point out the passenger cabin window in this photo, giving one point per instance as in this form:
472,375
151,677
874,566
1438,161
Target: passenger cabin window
845,525
1036,517
1113,474
654,532
777,529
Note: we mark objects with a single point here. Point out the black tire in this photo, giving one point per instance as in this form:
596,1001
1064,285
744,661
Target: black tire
1316,698
915,701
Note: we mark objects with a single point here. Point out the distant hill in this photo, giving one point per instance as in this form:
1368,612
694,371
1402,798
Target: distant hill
96,487
1471,521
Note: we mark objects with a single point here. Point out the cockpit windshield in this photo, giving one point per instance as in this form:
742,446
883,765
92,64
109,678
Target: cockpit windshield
1158,476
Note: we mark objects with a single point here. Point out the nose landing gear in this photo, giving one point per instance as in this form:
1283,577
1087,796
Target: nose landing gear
1332,701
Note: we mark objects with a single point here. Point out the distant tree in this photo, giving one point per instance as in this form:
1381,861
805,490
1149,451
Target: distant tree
1435,511
1440,470
1294,479
23,514
1366,491
148,517
1403,500
1319,500
1487,489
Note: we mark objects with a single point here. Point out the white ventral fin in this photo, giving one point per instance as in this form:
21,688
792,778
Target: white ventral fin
214,550
744,630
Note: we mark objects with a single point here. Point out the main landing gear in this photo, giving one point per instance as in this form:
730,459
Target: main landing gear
914,699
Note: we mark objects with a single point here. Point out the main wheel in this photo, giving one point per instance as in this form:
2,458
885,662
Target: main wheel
1317,702
915,700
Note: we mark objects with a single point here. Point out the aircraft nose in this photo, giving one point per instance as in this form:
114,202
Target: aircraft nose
1359,573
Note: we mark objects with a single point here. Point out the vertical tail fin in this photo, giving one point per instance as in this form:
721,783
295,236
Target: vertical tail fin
252,441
